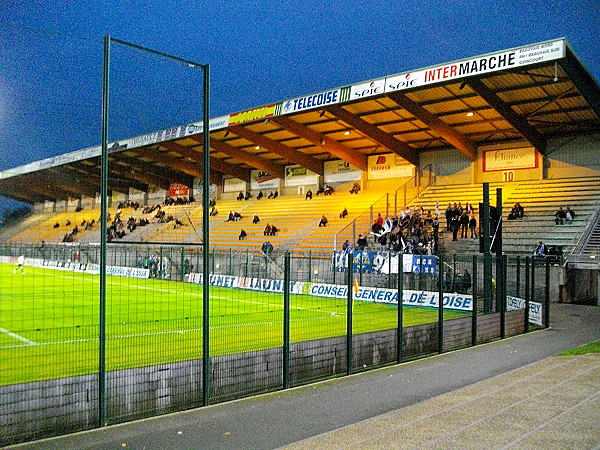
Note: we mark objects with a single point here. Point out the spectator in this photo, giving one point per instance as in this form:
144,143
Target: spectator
464,225
247,196
320,190
255,220
242,235
472,226
383,239
323,221
560,216
56,225
355,188
274,230
570,215
455,223
516,212
237,216
449,216
343,214
230,218
267,248
346,245
213,211
378,224
540,250
240,196
328,190
361,242
308,195
260,195
267,231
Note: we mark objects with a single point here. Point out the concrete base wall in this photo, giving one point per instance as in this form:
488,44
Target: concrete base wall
52,407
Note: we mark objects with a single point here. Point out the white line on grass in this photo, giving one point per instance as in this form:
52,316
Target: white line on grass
17,337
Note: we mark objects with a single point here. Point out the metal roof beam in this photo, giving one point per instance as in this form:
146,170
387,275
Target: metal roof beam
518,122
449,134
215,163
330,145
400,148
282,150
271,167
165,174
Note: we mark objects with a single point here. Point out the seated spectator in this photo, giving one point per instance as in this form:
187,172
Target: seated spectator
308,195
240,196
212,203
69,223
320,190
56,225
230,218
267,231
247,196
361,242
260,195
256,219
540,250
378,224
328,190
343,214
237,216
516,212
355,188
267,248
560,216
213,212
570,215
323,221
242,235
274,230
178,223
275,194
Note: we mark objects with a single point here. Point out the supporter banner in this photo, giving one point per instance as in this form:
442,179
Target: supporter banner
178,190
263,180
510,159
339,171
234,185
535,308
299,176
383,262
388,165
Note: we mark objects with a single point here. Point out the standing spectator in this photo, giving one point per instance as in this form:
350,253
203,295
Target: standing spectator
383,240
449,216
464,225
346,245
472,226
540,250
267,248
455,223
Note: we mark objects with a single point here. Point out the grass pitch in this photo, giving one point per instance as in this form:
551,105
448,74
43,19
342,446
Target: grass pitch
49,322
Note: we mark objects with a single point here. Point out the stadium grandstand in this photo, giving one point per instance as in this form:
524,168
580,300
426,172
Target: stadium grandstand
525,120
328,214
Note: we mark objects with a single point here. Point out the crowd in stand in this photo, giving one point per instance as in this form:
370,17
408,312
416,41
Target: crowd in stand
564,216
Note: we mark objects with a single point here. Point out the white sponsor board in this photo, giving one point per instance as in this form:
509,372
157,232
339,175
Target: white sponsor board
255,284
339,171
535,308
311,101
389,165
234,185
510,159
299,176
263,180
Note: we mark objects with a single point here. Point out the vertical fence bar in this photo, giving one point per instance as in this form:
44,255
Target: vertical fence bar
527,291
547,296
399,331
474,313
441,304
310,266
286,321
502,297
518,275
349,348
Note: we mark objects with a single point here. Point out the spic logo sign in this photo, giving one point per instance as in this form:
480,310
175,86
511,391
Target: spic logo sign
367,89
401,82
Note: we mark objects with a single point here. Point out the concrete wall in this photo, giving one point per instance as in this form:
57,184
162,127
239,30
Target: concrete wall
52,407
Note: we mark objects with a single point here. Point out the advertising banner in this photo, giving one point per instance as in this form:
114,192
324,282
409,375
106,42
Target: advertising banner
299,176
178,190
263,180
388,165
535,308
339,171
252,114
310,101
510,159
234,185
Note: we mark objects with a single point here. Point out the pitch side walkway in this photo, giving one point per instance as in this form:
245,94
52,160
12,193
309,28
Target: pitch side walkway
509,394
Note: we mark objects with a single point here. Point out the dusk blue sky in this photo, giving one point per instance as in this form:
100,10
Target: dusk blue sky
259,52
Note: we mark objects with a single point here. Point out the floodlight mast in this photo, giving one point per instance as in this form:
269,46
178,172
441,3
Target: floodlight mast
102,403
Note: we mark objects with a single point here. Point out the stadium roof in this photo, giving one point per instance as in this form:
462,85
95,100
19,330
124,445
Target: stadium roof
530,93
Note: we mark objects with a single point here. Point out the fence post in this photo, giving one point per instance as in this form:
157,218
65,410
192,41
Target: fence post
309,266
387,204
441,304
518,275
182,262
547,296
474,314
501,296
399,331
286,321
527,291
230,271
349,349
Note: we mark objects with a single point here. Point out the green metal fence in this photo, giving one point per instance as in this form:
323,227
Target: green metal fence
276,321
